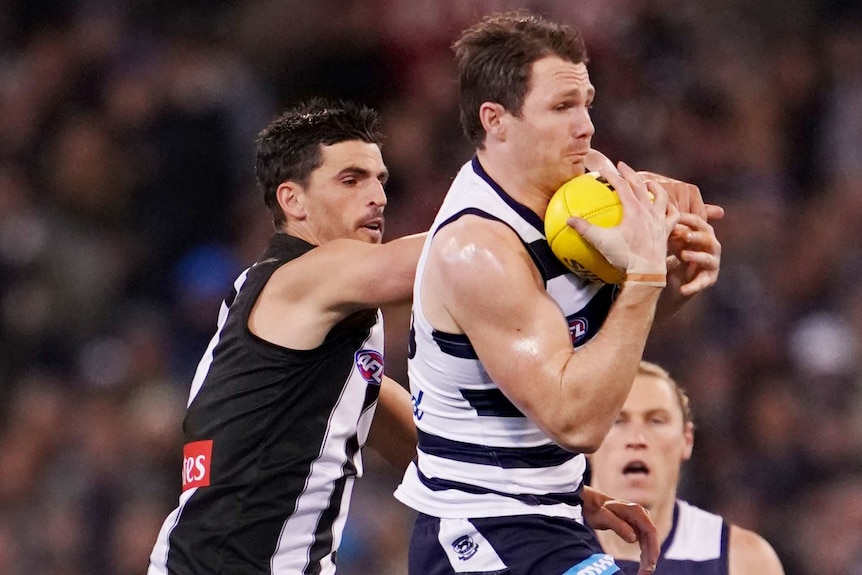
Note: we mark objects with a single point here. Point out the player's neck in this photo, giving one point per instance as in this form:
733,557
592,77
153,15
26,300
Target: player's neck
302,231
514,180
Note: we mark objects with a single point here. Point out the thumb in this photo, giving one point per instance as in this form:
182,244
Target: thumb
580,225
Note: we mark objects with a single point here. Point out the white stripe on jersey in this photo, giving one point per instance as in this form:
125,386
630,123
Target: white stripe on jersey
697,536
442,410
159,555
207,359
297,534
461,504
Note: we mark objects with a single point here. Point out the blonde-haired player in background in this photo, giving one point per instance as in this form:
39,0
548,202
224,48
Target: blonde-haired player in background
640,461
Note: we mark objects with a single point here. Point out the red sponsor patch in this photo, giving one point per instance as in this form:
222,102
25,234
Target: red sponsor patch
196,463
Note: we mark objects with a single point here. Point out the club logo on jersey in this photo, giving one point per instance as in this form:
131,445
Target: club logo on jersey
577,329
598,564
370,365
464,547
196,463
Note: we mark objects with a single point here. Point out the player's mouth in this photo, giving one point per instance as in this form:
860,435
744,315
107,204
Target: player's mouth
375,225
635,468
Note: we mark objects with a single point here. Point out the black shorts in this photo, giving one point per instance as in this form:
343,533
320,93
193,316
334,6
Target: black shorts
518,545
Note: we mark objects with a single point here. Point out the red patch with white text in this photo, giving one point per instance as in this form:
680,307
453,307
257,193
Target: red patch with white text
196,463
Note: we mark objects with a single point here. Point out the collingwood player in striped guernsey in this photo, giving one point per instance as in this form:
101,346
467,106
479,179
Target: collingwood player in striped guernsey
504,404
640,461
283,398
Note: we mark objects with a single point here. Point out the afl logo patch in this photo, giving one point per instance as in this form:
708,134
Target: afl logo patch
370,365
577,329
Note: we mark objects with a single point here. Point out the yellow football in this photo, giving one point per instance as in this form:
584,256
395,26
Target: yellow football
587,196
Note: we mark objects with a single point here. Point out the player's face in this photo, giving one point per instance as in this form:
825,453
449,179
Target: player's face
553,134
344,197
640,458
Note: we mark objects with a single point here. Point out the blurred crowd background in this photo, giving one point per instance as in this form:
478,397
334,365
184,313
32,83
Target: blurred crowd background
127,207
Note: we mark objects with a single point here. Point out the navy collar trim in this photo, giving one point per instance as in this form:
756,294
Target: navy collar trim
529,215
665,545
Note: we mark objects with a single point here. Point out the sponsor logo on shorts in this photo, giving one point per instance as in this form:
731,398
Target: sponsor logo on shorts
465,547
370,365
598,564
196,463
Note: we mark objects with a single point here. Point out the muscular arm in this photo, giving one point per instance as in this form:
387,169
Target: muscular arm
750,553
307,296
480,281
393,434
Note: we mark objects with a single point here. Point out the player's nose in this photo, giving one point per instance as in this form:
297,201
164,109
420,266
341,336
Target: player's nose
635,436
583,126
377,195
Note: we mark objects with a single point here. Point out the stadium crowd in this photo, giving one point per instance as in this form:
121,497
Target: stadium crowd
127,207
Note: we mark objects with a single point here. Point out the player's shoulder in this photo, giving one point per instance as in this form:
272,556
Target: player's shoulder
751,553
475,230
474,244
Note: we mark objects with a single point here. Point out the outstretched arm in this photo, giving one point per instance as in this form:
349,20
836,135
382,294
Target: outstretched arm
307,296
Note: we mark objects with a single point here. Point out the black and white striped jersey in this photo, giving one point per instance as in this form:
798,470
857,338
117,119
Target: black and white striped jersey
273,440
479,456
696,545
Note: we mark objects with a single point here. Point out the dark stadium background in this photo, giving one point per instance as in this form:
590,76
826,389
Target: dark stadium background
127,206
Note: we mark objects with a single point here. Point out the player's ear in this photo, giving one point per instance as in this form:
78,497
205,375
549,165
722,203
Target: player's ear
688,437
290,198
491,115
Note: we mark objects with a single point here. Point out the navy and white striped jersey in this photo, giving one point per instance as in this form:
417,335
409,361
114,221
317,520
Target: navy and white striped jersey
696,545
273,440
478,455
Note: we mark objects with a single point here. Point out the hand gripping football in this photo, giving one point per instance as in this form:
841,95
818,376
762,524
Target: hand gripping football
589,197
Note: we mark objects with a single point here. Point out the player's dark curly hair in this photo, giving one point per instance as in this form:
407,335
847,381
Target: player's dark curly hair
495,57
289,148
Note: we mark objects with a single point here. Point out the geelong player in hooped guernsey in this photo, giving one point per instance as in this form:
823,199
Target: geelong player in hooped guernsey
640,460
517,367
515,468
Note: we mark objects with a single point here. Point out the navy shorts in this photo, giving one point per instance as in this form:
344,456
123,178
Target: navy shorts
518,545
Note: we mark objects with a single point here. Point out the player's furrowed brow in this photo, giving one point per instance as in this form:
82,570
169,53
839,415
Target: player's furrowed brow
362,173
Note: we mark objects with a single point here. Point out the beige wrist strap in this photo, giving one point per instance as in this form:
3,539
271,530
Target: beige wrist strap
657,280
